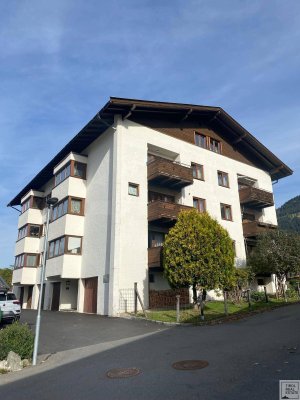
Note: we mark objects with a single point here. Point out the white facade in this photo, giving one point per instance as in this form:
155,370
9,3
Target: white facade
114,227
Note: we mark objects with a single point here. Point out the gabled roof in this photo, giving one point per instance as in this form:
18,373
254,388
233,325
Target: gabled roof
214,116
3,284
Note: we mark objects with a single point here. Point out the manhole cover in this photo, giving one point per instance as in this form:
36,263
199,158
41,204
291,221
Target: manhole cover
122,372
190,364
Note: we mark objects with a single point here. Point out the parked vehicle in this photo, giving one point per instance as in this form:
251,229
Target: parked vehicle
10,306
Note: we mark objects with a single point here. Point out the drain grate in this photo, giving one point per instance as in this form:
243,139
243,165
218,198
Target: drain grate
190,364
122,372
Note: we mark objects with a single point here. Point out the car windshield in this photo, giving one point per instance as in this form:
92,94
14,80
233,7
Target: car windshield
11,296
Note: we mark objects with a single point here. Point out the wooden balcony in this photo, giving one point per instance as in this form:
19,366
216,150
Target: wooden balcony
155,257
164,212
162,172
256,198
254,228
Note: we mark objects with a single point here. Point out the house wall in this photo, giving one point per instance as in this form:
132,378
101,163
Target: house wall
98,214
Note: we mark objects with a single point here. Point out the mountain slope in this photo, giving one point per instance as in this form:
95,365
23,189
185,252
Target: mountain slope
288,215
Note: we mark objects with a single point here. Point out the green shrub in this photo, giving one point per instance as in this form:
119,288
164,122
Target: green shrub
291,293
18,338
258,296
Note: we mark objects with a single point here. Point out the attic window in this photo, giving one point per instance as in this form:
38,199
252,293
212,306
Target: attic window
200,140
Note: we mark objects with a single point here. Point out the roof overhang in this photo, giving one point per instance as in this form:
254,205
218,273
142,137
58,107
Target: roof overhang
214,116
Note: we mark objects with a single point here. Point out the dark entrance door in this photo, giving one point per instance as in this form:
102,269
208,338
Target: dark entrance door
90,295
21,296
55,296
29,297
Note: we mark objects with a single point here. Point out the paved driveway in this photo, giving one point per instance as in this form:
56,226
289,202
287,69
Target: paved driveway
247,358
66,330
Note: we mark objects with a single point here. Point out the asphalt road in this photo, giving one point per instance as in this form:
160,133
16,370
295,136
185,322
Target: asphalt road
67,330
246,360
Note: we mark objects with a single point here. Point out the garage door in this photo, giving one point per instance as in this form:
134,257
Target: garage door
90,295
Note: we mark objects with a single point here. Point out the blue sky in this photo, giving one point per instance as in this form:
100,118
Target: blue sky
60,60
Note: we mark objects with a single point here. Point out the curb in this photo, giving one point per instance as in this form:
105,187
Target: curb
218,321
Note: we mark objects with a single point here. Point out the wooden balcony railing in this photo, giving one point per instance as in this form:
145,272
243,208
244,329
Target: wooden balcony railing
169,174
254,228
164,212
155,256
256,198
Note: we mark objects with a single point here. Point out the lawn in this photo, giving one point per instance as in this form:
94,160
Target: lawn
214,310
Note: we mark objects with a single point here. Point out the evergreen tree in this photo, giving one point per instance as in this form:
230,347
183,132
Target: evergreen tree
198,251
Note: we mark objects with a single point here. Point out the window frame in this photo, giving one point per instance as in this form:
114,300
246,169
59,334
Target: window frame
226,206
208,140
136,186
62,250
71,173
199,200
67,199
193,164
27,231
203,137
223,174
23,258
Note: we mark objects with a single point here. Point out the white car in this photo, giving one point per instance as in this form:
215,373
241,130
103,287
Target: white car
10,306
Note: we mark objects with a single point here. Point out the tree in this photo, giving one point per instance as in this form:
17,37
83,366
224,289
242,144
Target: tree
198,251
278,253
6,274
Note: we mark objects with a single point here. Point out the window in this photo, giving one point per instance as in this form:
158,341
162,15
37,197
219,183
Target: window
11,296
56,247
199,204
151,278
156,239
37,202
51,250
22,232
75,206
223,179
79,170
200,140
197,171
226,212
74,245
215,145
155,196
30,230
34,230
63,174
27,260
26,205
133,189
31,260
65,245
69,205
19,261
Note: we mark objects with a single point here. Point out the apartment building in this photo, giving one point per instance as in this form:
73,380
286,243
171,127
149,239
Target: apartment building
121,183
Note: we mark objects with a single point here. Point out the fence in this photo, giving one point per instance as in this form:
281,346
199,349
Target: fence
177,305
